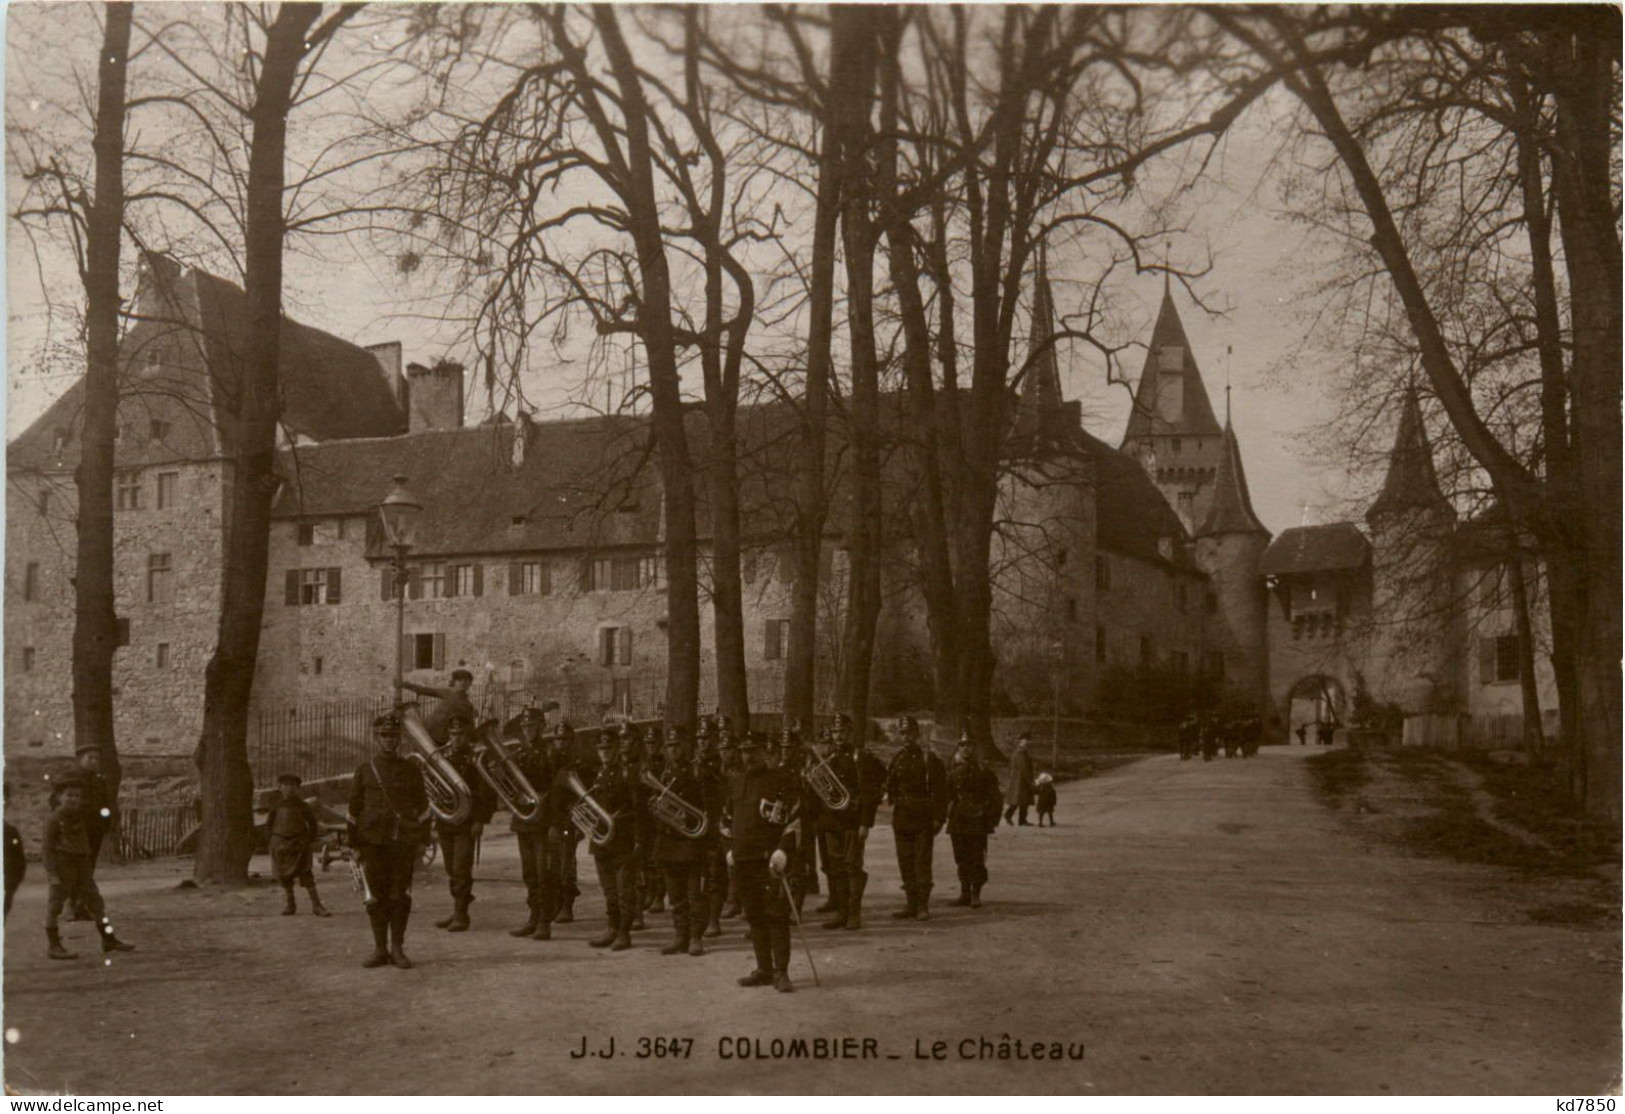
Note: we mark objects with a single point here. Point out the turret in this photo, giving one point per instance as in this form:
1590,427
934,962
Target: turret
1229,543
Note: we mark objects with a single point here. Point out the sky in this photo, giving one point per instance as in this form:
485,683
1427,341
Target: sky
1262,266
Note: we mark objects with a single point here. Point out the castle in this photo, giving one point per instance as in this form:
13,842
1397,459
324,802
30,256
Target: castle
538,561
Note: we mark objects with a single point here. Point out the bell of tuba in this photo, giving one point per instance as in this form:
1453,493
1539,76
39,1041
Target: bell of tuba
496,765
449,795
828,785
587,814
672,811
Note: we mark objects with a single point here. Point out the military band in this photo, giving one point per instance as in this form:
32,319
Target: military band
389,824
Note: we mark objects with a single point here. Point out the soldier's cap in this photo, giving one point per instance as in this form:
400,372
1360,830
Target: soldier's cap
750,740
462,674
287,779
532,714
387,722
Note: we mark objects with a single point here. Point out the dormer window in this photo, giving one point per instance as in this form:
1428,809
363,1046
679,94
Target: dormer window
1165,547
158,430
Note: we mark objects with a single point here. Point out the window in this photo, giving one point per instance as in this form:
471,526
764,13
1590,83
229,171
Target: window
158,430
1172,357
426,651
60,440
432,582
1176,444
623,574
652,571
777,639
1100,645
160,657
28,659
31,581
121,635
343,531
1103,574
529,578
160,578
168,486
626,574
615,646
127,491
304,587
316,666
307,533
1187,503
465,580
1499,659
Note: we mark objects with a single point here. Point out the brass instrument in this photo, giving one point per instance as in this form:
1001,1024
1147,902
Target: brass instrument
449,795
503,775
587,814
358,879
674,812
828,785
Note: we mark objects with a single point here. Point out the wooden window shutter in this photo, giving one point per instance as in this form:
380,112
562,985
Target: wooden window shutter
440,651
479,580
333,594
516,574
290,588
626,645
606,646
1486,660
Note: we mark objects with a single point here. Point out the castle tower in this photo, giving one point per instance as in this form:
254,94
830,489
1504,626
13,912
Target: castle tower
1229,543
1409,655
1171,430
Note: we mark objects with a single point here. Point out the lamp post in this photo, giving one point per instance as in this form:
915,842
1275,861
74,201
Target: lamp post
398,515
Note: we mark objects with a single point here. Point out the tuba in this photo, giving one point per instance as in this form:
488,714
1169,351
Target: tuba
587,814
672,811
828,785
449,795
503,775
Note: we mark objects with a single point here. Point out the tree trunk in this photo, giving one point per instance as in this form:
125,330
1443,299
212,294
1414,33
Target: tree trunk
95,626
226,781
1534,738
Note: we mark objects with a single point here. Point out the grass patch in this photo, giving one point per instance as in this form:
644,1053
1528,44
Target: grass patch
1534,797
1340,774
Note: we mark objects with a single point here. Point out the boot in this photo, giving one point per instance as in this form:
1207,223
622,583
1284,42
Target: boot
910,909
782,983
856,882
976,896
398,914
923,913
567,910
757,978
612,929
459,917
289,908
316,906
56,950
763,975
544,921
696,946
531,922
677,946
714,903
731,911
378,917
837,903
964,895
111,943
450,918
623,938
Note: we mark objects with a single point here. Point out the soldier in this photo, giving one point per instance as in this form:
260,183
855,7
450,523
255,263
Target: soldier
457,841
680,855
973,815
389,824
293,828
708,767
791,755
732,763
916,786
871,791
616,857
454,701
838,828
537,861
761,816
566,761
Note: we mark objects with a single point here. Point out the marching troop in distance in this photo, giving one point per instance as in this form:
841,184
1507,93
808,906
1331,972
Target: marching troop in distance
715,824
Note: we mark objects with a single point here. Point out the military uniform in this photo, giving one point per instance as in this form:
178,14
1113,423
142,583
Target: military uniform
563,837
838,832
618,857
457,841
917,787
714,871
682,859
389,814
870,790
974,801
762,817
541,884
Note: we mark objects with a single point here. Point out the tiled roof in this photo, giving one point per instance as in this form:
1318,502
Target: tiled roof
1231,511
1132,517
1196,416
1306,549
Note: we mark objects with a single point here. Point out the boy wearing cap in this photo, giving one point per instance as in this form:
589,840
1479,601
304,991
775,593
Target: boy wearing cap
292,824
71,869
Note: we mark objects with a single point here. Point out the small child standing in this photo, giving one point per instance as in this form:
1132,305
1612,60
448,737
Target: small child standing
72,873
1045,790
293,835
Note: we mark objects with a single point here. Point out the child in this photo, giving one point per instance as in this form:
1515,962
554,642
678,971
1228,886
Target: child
16,861
72,872
293,833
1046,798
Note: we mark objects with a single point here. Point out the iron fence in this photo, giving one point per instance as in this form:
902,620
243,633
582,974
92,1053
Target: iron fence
147,831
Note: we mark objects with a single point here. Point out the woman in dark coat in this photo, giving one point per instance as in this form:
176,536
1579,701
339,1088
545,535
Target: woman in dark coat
1018,790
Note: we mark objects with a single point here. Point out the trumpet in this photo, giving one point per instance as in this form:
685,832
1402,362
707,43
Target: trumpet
449,796
503,775
358,879
828,785
674,812
588,815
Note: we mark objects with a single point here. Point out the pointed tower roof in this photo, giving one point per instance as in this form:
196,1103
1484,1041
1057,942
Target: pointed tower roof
1411,482
1231,511
1169,357
1041,385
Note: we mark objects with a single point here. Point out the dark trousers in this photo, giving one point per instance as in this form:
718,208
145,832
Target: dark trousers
618,875
389,868
457,852
75,879
841,847
767,909
914,861
970,856
569,879
689,912
538,866
1013,809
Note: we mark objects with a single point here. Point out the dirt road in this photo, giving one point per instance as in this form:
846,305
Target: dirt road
1199,928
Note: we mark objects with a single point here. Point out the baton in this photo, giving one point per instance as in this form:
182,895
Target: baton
796,917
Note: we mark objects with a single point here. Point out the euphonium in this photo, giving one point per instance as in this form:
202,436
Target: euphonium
449,796
672,811
503,775
828,786
588,815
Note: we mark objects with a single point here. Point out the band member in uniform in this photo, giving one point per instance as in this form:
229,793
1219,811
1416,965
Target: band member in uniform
534,836
454,701
708,767
457,841
837,828
732,763
651,877
617,857
389,824
761,818
565,760
680,855
871,791
292,824
792,756
917,787
973,814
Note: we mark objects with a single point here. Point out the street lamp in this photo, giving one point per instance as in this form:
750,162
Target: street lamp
398,515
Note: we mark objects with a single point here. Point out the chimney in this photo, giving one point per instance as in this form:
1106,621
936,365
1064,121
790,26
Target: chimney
434,396
388,355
